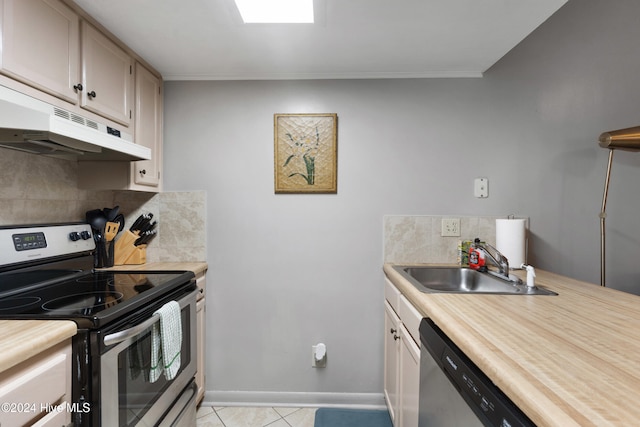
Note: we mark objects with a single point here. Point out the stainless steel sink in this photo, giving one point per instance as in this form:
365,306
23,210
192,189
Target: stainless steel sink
463,280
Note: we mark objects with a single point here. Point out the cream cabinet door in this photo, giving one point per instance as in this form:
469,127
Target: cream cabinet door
391,362
409,379
201,282
41,45
148,126
107,76
200,373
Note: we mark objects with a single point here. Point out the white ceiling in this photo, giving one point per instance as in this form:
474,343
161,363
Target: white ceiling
206,39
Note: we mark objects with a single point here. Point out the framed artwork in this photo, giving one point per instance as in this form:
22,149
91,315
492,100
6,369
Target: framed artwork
305,158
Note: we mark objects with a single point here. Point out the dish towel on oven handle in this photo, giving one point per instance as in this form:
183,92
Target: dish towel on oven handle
166,342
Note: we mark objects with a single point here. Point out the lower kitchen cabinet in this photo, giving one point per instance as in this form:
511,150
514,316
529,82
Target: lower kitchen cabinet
37,392
409,379
391,361
402,358
201,335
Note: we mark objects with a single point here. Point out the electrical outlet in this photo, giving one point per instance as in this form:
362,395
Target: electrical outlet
319,355
450,227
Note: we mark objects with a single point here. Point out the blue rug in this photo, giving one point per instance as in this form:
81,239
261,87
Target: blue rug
336,417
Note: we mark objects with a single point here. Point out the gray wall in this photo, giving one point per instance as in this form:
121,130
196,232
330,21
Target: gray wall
288,271
575,78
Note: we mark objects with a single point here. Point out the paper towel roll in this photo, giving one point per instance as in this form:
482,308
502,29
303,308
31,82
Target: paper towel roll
511,240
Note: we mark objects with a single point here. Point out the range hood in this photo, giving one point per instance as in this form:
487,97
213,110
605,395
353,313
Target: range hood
34,126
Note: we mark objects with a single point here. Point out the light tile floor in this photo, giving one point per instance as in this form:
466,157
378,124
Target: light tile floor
233,416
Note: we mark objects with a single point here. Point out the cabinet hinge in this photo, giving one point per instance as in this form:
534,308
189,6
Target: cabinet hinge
130,69
130,114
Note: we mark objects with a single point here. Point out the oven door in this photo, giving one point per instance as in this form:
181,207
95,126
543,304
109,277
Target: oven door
127,397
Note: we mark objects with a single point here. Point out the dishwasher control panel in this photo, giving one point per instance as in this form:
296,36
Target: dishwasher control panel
460,373
488,402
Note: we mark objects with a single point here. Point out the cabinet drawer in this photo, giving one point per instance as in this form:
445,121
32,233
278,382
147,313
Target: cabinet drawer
411,318
54,419
391,294
33,385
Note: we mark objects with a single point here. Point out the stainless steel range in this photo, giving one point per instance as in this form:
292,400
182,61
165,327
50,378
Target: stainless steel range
46,272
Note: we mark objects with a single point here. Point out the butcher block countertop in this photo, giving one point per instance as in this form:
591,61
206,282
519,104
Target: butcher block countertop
566,360
22,339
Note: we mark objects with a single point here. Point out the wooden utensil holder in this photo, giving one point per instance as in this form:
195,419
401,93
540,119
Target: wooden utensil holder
128,253
138,256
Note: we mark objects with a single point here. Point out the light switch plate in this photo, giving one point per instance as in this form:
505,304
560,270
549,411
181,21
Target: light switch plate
481,188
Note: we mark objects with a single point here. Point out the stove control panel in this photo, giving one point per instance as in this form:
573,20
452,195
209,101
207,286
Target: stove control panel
27,243
75,236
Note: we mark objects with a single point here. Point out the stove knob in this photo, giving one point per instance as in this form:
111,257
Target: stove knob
85,235
74,236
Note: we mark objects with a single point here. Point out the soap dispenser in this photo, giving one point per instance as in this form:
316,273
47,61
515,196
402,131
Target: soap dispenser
531,275
476,256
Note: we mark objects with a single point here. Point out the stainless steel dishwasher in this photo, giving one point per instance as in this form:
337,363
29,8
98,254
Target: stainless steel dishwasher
454,392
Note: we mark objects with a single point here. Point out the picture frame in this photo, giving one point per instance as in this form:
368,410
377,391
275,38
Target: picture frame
305,153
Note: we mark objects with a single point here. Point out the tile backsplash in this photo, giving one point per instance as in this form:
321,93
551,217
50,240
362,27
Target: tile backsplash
38,189
416,239
181,220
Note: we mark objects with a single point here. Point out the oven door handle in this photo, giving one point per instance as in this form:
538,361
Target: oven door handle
125,334
120,336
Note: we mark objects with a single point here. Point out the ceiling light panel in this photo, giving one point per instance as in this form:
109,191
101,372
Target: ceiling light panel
276,11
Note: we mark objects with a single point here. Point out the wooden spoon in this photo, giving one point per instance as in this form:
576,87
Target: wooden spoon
110,230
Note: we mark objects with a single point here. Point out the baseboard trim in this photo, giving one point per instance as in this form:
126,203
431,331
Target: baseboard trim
294,399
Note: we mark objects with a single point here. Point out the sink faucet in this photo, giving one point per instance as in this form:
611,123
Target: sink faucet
499,260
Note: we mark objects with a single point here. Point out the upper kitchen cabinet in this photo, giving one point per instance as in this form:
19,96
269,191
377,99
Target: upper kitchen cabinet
107,76
142,175
148,126
41,45
53,50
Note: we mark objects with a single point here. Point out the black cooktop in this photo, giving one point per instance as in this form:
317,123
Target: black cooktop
91,299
